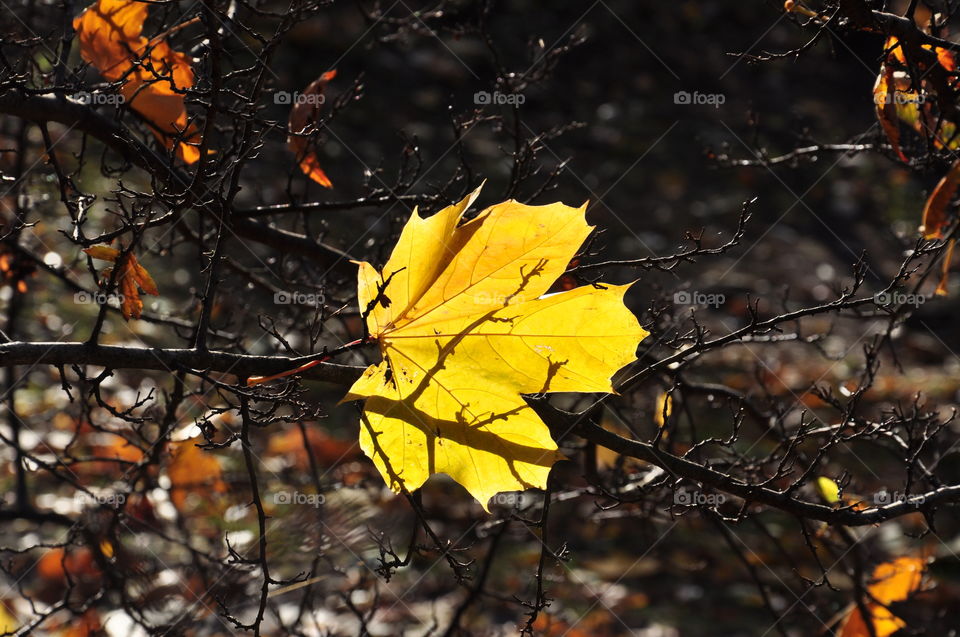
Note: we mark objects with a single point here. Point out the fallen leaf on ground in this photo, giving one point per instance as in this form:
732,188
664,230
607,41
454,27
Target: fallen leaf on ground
465,326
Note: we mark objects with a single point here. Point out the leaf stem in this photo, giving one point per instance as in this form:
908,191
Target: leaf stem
324,357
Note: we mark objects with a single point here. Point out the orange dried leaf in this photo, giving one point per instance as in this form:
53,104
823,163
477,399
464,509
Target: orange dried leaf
894,50
142,277
310,166
150,92
916,113
935,215
304,115
57,563
132,278
193,471
104,253
883,93
893,582
946,59
663,409
119,448
942,288
51,565
114,452
154,75
109,32
130,304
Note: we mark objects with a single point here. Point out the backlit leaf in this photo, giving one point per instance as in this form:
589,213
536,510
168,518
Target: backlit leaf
109,34
154,75
945,57
828,490
465,326
892,582
104,253
942,287
913,103
662,409
935,213
884,102
304,116
893,50
132,278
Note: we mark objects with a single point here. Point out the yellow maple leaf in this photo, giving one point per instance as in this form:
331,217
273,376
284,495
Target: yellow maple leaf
132,278
465,326
892,582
